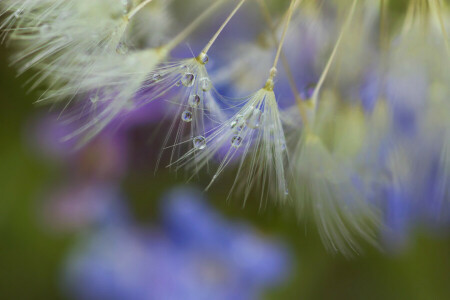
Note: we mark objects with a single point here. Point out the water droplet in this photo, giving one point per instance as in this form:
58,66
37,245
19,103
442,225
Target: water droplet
156,77
127,5
199,142
188,79
186,116
205,84
273,72
195,100
238,124
18,13
203,58
236,141
254,121
286,192
94,99
122,48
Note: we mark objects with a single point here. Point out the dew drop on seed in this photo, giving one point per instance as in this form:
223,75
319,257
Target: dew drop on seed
122,48
238,124
205,84
199,142
254,121
127,4
94,99
236,141
188,79
18,13
156,77
186,116
204,59
195,100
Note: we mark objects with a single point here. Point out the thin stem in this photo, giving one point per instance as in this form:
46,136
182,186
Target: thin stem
333,54
191,27
214,38
269,20
383,24
132,13
287,68
283,36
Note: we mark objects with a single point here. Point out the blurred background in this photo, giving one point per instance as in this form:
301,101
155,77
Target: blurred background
101,224
39,235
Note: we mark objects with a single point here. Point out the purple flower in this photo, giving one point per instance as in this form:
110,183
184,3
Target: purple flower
195,255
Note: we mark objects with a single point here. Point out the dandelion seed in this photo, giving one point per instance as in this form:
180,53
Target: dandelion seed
326,179
189,81
98,70
182,86
256,129
254,138
64,18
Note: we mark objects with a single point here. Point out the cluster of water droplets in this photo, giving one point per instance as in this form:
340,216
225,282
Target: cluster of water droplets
198,86
251,119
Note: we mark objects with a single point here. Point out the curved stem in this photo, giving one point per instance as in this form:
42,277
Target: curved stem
300,102
333,54
383,24
222,27
283,36
132,13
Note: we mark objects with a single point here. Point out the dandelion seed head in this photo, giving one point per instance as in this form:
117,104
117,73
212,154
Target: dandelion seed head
324,149
253,139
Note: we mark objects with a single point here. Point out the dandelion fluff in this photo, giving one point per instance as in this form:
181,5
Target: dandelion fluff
109,92
195,105
57,36
252,138
326,180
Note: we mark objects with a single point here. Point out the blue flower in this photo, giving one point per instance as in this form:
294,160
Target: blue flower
195,255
